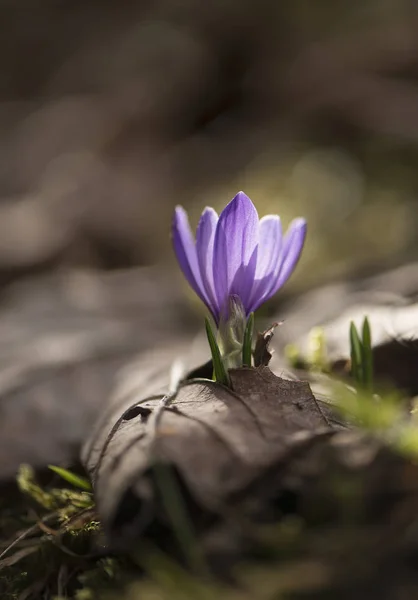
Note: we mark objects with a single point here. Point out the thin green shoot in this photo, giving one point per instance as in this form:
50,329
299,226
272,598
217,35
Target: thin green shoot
219,372
247,343
75,480
361,354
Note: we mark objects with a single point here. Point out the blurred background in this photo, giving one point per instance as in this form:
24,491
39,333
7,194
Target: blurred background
111,113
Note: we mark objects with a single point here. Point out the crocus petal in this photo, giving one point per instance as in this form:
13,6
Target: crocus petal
243,283
236,255
269,249
185,249
292,247
235,250
205,237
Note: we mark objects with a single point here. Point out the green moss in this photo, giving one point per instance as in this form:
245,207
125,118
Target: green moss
53,549
67,502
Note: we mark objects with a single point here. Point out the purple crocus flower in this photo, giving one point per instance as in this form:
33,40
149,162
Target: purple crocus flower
236,254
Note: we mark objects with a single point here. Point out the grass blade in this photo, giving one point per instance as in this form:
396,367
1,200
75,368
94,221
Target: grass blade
76,480
176,510
248,341
219,371
367,355
356,354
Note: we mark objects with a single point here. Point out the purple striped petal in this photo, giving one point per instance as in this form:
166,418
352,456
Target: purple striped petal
205,236
236,255
292,248
243,283
185,249
235,250
269,250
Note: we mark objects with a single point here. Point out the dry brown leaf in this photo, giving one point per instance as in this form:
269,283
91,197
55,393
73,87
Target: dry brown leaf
218,440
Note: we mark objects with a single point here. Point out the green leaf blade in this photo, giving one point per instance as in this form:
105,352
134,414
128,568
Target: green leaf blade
247,343
76,480
355,354
367,355
218,366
